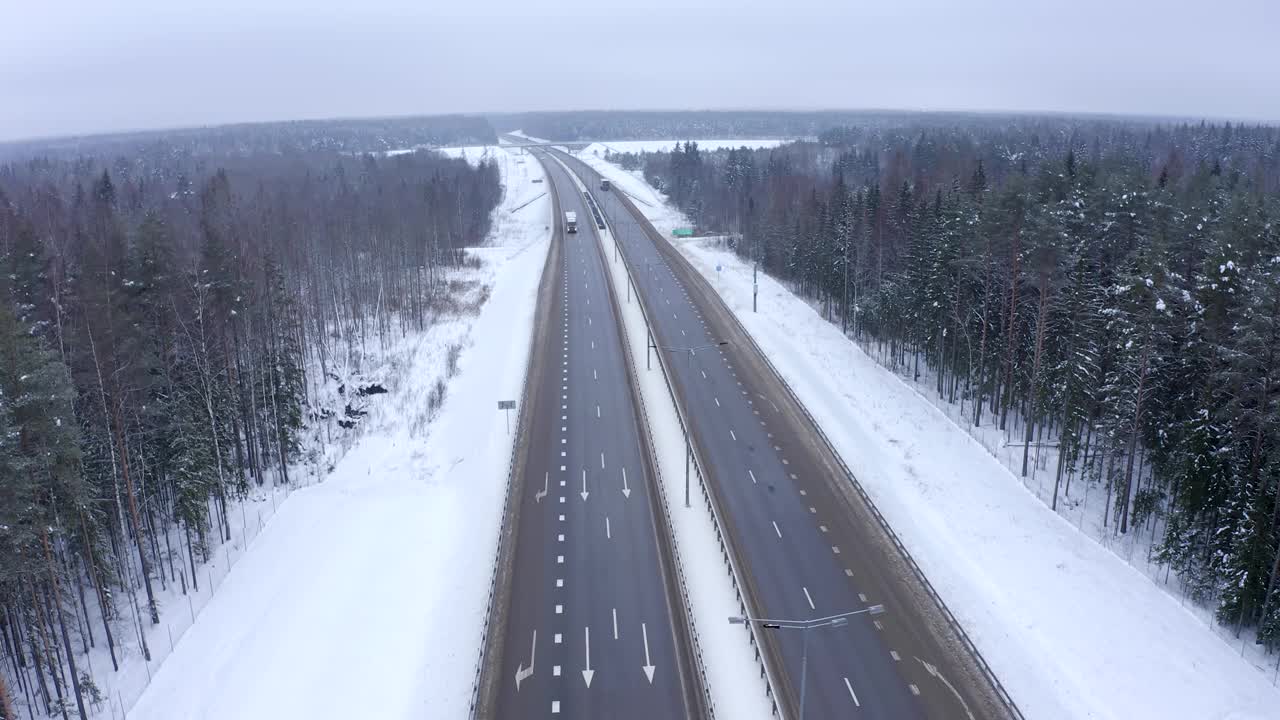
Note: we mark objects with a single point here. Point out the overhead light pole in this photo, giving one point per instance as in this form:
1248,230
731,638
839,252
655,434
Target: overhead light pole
804,626
691,350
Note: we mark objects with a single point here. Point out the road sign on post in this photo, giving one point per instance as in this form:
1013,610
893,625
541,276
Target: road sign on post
507,405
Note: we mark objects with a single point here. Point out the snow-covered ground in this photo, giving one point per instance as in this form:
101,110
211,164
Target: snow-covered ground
522,134
474,154
471,153
639,146
1068,626
365,595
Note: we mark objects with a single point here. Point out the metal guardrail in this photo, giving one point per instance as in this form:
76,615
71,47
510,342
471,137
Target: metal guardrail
1001,692
507,507
595,209
767,673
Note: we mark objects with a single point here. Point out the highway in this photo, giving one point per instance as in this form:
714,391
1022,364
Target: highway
588,624
808,543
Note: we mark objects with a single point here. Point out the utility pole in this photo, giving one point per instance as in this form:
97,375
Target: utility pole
688,452
755,286
844,310
755,274
688,445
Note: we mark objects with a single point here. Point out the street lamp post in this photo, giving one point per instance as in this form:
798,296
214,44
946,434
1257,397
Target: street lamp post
688,448
804,626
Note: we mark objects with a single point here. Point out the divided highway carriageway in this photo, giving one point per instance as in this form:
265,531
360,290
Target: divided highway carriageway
584,622
808,541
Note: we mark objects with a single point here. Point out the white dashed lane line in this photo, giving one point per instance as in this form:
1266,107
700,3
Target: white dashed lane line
852,694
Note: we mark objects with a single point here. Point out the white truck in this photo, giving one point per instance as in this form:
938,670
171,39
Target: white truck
571,221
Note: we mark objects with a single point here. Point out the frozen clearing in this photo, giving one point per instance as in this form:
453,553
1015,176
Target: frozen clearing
1071,630
365,595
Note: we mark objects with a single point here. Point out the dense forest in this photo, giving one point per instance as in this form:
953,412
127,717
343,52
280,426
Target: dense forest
159,316
1107,290
356,135
665,125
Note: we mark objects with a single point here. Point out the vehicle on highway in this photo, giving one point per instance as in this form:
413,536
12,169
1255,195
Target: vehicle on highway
571,221
604,184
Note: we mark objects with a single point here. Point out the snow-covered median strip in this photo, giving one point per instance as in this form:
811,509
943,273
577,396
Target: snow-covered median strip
1070,629
365,595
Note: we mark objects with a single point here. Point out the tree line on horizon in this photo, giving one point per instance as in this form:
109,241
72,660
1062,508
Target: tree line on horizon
163,319
346,135
1106,291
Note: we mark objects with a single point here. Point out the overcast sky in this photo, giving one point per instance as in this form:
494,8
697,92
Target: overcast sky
75,66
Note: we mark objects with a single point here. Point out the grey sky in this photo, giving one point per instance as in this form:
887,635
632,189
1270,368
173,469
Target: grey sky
72,66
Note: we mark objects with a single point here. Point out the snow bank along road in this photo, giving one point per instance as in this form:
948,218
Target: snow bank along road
362,596
809,544
585,623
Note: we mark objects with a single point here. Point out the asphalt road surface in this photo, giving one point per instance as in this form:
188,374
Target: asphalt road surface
591,627
809,545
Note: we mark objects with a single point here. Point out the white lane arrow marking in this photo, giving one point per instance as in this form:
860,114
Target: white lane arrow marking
584,492
588,673
546,486
626,491
648,666
522,673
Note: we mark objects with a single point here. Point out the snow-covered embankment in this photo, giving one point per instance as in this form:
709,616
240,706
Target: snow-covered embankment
364,596
1071,629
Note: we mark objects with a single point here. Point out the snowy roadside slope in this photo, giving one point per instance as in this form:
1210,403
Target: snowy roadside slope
365,595
1070,629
